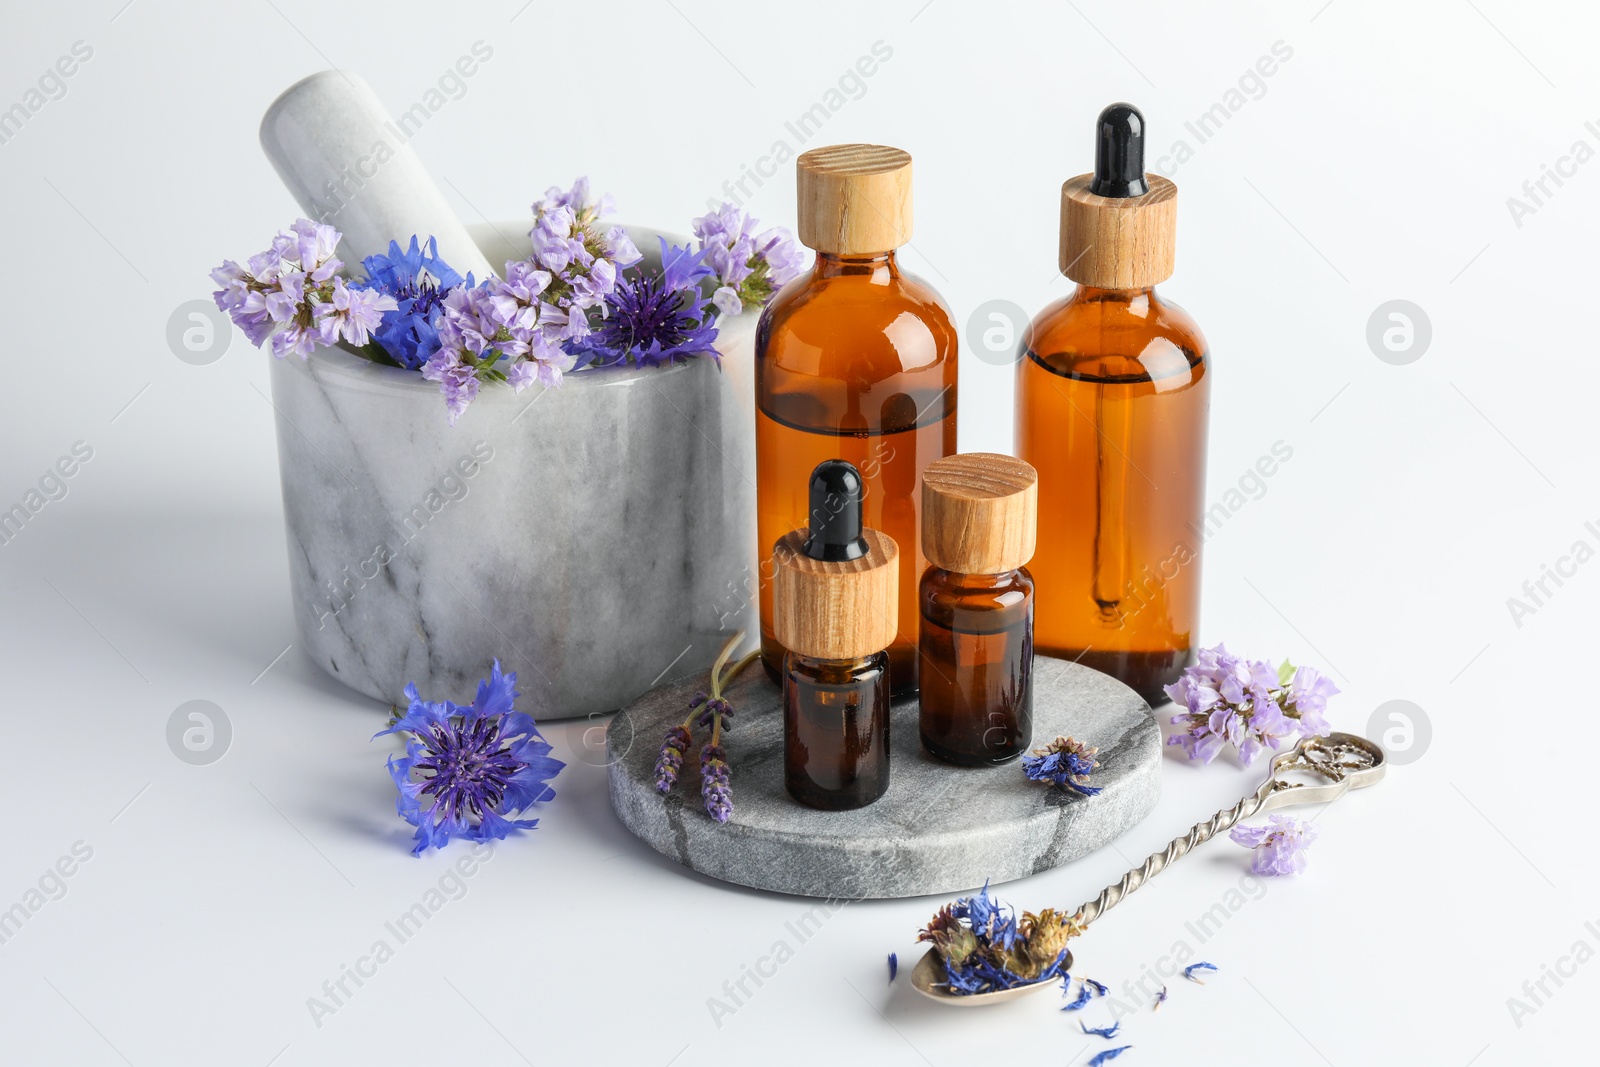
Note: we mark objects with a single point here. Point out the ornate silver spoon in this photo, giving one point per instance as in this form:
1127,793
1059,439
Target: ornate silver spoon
1344,760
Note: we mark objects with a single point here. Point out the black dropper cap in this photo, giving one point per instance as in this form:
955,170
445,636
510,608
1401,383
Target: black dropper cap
836,490
1119,153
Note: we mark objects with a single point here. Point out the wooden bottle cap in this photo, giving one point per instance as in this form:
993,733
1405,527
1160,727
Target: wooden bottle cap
1112,243
831,610
854,199
980,513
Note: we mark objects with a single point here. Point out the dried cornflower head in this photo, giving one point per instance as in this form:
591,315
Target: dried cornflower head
984,948
1064,762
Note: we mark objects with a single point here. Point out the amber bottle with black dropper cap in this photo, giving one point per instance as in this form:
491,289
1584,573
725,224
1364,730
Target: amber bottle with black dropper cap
1112,401
855,360
834,600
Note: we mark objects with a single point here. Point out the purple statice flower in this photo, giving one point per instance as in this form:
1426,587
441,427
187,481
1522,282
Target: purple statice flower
894,966
1307,698
499,331
1193,971
1107,1032
293,295
1102,1058
654,318
469,771
1279,847
1064,762
418,280
582,258
715,788
749,266
1231,700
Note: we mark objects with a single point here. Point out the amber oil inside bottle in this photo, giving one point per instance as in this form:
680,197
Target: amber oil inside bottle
977,665
836,730
854,361
1112,397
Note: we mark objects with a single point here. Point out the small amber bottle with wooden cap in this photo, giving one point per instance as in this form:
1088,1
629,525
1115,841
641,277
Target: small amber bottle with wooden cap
855,360
1113,391
979,513
834,601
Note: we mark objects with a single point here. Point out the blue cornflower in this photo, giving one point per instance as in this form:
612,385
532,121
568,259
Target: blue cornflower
418,280
1107,1056
1193,969
1064,762
1107,1032
1100,988
894,966
1161,998
654,318
478,766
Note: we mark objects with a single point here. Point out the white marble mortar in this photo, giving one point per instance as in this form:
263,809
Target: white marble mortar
597,538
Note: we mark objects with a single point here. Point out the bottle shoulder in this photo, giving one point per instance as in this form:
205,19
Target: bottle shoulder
858,326
1110,337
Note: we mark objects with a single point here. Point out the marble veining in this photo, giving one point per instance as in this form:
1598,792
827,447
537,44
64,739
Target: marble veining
939,829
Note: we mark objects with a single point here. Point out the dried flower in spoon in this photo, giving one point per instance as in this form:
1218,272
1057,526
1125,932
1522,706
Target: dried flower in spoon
985,948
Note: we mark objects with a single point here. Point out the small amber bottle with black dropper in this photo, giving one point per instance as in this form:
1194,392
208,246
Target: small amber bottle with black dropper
855,360
834,608
1113,393
979,514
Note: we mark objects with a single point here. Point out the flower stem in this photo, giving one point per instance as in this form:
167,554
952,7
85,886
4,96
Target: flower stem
732,672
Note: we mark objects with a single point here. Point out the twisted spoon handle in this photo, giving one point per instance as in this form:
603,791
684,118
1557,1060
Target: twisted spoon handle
1221,822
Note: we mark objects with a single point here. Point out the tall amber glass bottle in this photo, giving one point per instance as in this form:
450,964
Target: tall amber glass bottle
1113,392
855,361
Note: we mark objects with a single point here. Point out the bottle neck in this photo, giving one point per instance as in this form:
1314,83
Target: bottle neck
877,267
835,671
1134,299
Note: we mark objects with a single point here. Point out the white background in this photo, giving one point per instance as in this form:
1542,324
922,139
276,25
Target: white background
1375,165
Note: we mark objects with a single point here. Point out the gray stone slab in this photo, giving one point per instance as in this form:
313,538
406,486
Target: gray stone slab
939,829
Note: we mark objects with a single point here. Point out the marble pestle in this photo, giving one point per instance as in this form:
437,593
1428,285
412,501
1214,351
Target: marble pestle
348,164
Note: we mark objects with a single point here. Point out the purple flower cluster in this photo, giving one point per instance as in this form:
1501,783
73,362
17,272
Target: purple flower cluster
293,294
1230,700
573,301
1064,762
749,266
1279,847
477,767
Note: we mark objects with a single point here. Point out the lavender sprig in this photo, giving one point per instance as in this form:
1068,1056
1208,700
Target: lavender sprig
707,710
